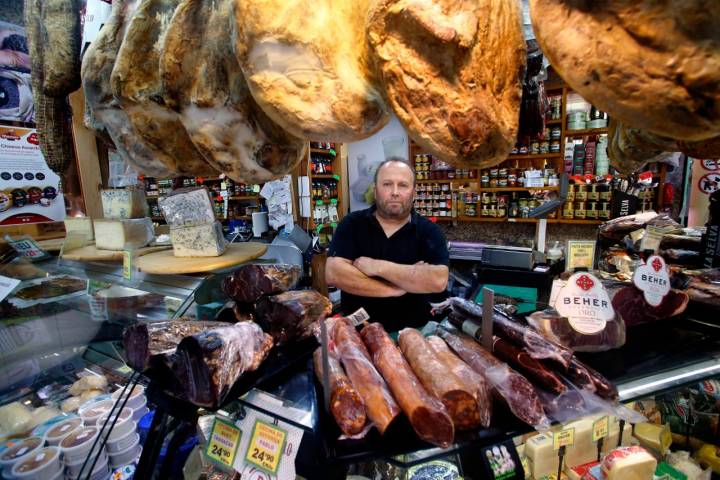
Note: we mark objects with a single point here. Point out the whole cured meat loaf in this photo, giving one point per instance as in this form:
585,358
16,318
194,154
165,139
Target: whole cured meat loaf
435,377
210,362
509,385
346,404
381,407
427,414
147,340
61,46
600,385
472,380
630,303
250,282
290,315
452,73
558,329
531,368
702,286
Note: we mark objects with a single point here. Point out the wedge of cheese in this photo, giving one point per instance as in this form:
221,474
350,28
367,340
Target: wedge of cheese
198,241
80,226
629,463
123,234
124,203
187,207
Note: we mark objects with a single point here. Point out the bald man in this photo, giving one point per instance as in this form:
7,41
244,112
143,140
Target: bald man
388,259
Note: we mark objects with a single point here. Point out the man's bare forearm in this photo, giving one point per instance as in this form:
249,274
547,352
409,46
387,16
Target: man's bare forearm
342,274
418,278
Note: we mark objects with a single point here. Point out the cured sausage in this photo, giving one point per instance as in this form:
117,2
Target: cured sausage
427,415
580,376
534,370
513,388
472,380
604,388
346,405
379,403
435,377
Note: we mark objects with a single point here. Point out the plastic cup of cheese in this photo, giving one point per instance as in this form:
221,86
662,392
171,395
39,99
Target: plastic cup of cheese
122,443
137,398
126,456
60,430
43,464
100,472
76,446
14,454
124,425
139,413
93,412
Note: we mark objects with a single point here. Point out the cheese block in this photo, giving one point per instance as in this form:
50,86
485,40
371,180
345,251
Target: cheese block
124,203
611,441
81,226
542,459
654,437
629,463
583,449
121,234
198,241
187,207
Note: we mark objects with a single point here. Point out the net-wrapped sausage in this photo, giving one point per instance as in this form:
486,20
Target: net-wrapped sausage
535,371
470,378
435,377
379,403
513,388
426,413
346,405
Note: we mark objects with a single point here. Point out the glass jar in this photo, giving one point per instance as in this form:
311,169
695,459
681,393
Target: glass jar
570,193
534,147
568,211
554,146
581,193
593,194
591,212
580,210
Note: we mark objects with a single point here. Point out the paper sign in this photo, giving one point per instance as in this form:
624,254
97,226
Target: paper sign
653,279
266,446
580,254
27,248
563,438
600,428
7,285
224,442
585,303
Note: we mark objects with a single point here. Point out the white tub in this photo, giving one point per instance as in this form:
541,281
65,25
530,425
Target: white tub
41,465
137,398
62,429
76,446
122,443
123,426
101,470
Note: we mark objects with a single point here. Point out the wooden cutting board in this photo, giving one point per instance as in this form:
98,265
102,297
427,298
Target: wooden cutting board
91,254
166,263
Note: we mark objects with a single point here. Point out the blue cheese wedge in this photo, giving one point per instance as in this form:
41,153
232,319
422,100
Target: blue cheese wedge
80,226
187,207
123,234
124,203
198,241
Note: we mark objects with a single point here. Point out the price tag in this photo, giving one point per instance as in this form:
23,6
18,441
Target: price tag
600,428
579,254
266,446
27,248
563,438
128,264
224,442
124,370
7,285
358,317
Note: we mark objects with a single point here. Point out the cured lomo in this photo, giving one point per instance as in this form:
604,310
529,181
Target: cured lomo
435,377
379,403
472,380
534,370
346,404
427,415
513,388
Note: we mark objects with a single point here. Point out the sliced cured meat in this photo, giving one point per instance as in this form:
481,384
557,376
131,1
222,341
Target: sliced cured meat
558,329
306,63
249,282
202,80
459,401
702,286
629,302
535,371
469,377
346,404
381,406
427,414
452,72
652,64
617,228
509,385
135,82
290,316
210,362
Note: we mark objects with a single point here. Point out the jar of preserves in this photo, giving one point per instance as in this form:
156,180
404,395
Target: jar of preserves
568,211
580,210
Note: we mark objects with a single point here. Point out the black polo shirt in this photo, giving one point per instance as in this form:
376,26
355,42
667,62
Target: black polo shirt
360,234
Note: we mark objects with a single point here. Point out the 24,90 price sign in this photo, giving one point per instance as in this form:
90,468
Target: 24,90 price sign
224,442
266,446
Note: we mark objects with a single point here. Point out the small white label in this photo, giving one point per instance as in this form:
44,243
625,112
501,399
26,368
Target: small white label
359,317
653,279
7,285
585,303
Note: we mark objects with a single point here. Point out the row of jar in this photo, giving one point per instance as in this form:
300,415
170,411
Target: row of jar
458,173
510,177
434,212
433,196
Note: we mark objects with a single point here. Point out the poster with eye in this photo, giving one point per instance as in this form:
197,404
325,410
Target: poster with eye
16,100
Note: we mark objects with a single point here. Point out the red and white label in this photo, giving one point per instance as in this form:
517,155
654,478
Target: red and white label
653,279
585,303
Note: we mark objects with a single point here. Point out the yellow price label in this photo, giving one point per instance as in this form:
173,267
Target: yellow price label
601,427
563,438
127,264
224,442
266,446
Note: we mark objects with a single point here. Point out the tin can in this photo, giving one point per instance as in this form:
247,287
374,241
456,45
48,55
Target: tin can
554,146
502,173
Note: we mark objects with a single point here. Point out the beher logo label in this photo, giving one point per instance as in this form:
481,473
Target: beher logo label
657,265
585,282
653,280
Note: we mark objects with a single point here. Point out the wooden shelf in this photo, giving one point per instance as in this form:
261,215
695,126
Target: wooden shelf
554,122
535,156
438,219
587,131
243,197
553,86
581,222
329,176
444,180
516,189
463,218
326,201
322,150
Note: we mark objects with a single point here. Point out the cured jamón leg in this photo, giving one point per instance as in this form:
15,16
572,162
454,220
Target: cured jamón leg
426,413
379,402
435,377
346,405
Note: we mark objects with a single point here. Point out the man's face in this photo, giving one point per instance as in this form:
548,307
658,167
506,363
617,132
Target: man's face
394,191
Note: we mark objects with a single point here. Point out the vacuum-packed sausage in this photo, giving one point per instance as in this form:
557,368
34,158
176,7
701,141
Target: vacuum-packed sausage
536,372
